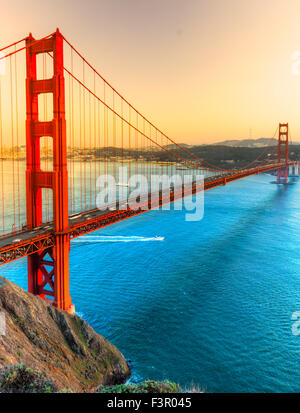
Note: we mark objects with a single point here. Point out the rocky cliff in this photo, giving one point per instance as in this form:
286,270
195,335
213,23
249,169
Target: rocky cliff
62,346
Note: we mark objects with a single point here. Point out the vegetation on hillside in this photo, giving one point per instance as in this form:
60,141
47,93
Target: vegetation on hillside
21,379
147,386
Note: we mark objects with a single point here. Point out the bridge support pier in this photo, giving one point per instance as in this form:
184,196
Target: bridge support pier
48,270
283,152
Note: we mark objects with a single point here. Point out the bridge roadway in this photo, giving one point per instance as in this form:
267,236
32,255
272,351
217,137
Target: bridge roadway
25,242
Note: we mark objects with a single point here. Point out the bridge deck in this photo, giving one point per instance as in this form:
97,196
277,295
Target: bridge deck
27,242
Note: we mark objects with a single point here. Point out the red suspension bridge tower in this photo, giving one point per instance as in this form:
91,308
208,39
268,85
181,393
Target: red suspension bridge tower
283,152
48,270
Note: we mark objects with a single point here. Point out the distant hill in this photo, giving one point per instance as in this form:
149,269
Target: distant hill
183,145
236,143
249,143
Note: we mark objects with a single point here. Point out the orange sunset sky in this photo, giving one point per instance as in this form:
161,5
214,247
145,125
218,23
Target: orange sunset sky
202,71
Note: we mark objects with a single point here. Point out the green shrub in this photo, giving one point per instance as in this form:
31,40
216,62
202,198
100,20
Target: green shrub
147,386
21,379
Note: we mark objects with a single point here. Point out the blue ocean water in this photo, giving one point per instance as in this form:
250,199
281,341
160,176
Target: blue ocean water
211,304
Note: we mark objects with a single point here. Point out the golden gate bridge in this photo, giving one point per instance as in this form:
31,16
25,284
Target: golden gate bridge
74,126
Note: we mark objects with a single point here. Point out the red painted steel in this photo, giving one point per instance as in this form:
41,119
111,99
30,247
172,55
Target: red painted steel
55,283
283,151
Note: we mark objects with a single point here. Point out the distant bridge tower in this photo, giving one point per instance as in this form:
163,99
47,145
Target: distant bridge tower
283,152
48,270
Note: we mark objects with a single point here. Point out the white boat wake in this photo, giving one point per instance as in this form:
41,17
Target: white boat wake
116,238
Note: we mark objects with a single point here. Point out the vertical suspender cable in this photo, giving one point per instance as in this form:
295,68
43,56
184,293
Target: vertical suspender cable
122,146
95,143
90,149
73,139
46,139
84,130
17,137
13,144
69,145
129,149
80,146
2,165
114,139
